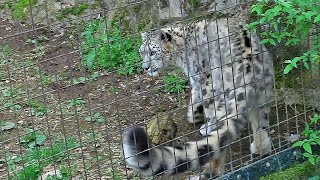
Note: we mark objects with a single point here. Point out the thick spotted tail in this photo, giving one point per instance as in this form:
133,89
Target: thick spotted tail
169,160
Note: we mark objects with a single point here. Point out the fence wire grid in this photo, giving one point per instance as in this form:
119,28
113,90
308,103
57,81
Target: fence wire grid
72,82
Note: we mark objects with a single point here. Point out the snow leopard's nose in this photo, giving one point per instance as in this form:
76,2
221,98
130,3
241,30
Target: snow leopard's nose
146,66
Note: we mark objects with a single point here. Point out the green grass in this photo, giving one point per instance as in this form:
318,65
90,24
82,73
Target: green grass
105,46
299,171
74,10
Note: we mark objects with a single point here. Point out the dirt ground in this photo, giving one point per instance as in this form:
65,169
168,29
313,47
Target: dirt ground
50,73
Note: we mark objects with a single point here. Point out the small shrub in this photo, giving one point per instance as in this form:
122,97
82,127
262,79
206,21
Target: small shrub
175,83
312,138
106,47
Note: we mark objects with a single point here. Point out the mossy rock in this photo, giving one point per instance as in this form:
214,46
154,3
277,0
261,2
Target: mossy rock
161,128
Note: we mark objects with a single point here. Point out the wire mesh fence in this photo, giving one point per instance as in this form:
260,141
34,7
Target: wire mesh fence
76,75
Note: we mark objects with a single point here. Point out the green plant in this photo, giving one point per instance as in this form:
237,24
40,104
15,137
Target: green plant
19,9
47,154
175,83
6,125
74,10
312,138
96,117
113,89
39,50
76,102
10,159
37,109
9,95
47,79
33,138
105,46
9,105
82,80
290,21
5,52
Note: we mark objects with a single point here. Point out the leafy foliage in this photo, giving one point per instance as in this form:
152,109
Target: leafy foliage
106,47
290,21
312,139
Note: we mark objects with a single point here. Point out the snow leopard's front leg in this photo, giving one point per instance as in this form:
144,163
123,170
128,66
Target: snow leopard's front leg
213,106
258,117
259,123
195,107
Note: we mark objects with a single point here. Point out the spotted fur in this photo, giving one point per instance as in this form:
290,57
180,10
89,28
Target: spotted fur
231,77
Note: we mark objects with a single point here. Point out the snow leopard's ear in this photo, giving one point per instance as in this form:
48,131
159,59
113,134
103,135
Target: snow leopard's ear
165,36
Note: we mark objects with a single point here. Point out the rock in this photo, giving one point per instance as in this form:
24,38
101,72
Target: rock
161,128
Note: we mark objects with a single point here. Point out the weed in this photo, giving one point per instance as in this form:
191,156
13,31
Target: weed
47,79
8,95
105,46
19,9
162,108
39,50
96,117
76,102
28,63
66,172
37,109
11,159
175,83
5,52
12,93
11,106
6,125
33,138
74,10
82,80
113,89
93,136
32,166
